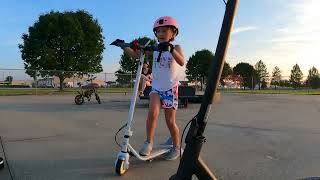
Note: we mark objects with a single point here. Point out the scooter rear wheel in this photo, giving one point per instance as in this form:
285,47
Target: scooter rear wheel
120,167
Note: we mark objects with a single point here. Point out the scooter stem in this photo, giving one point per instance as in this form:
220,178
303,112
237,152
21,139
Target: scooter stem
128,132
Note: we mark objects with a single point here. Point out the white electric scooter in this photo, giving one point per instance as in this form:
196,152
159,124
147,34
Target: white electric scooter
122,162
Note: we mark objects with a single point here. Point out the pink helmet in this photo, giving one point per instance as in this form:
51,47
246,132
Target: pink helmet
166,21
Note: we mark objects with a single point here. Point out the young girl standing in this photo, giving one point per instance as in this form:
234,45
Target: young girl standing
166,61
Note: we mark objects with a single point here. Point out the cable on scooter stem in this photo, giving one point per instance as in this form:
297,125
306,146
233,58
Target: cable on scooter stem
183,135
115,136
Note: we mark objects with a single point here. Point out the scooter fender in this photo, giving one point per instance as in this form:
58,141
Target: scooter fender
125,157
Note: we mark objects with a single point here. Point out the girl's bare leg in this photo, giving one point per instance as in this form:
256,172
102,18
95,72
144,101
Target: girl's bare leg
170,115
154,109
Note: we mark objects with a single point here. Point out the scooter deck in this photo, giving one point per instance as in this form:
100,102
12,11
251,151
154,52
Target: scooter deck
156,151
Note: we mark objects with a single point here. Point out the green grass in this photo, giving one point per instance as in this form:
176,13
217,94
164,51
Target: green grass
50,91
272,91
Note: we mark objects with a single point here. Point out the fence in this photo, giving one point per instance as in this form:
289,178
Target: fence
18,81
283,85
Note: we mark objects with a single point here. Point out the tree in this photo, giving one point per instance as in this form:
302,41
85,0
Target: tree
9,80
262,73
225,72
123,78
58,44
128,66
296,76
198,65
313,79
264,84
248,74
285,83
276,77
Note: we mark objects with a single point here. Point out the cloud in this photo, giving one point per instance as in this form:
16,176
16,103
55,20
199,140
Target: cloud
243,29
293,36
301,24
298,38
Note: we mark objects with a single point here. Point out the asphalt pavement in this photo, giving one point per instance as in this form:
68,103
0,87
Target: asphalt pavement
248,137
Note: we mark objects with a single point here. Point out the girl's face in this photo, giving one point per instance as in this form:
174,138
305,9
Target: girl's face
145,66
164,34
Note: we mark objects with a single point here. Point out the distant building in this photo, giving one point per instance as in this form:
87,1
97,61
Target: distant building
72,82
22,82
4,83
54,82
111,83
46,83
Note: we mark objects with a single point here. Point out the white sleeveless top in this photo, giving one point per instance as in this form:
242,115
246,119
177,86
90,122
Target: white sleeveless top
164,72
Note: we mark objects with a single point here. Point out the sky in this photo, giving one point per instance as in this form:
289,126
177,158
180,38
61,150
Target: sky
278,32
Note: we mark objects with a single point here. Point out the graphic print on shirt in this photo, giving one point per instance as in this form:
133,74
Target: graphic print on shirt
165,62
164,71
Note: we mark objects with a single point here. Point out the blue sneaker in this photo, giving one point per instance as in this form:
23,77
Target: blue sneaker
173,154
168,142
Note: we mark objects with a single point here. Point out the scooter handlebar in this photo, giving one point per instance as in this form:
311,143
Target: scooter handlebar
122,44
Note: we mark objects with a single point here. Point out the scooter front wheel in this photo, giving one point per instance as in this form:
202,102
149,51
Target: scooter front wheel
120,167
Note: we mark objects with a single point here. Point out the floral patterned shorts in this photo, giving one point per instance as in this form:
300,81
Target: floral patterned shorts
169,98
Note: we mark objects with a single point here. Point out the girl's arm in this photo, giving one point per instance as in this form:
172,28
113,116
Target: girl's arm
149,77
135,54
178,55
144,77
